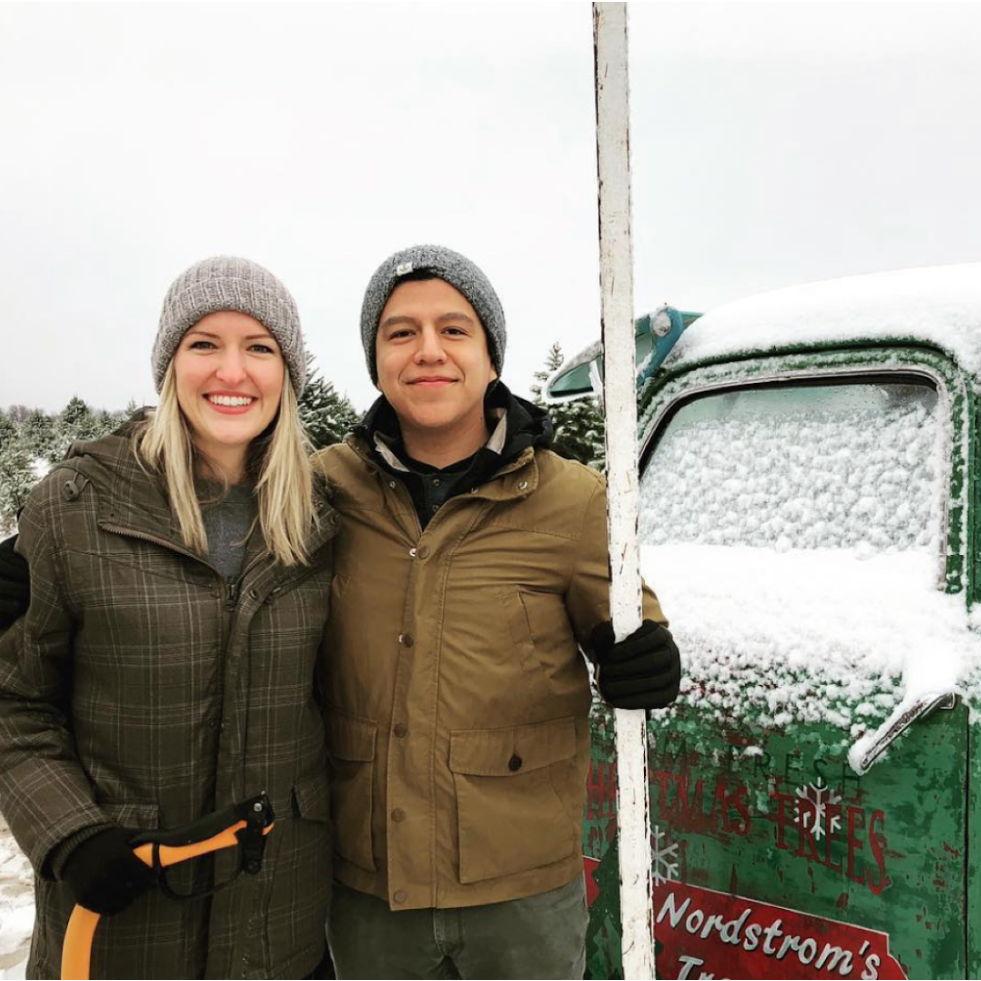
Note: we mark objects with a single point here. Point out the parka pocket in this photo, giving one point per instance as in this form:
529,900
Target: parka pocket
311,798
352,749
300,863
542,637
510,817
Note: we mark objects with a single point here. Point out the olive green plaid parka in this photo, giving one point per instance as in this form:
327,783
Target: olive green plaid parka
141,688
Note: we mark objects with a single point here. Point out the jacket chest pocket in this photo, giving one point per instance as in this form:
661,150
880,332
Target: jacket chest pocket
511,817
352,751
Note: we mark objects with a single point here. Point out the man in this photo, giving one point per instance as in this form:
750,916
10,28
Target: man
471,567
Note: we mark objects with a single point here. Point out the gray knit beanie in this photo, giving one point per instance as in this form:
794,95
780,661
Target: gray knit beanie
228,283
445,264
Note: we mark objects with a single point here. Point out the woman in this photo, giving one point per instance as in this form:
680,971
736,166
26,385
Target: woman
166,665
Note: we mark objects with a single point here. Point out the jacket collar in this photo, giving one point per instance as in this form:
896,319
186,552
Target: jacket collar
517,478
515,425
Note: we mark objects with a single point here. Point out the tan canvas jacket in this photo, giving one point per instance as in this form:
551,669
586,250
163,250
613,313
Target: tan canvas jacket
457,692
138,690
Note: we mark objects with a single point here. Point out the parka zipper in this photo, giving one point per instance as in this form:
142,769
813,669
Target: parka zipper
231,591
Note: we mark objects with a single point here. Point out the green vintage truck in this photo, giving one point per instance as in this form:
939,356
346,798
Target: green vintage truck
810,492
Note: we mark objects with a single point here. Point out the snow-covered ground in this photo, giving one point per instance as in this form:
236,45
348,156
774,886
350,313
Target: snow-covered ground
16,906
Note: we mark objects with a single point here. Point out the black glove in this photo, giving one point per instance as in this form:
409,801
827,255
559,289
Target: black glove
642,671
103,873
15,584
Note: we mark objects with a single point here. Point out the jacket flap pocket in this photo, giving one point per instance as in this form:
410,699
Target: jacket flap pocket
141,815
351,739
508,752
311,797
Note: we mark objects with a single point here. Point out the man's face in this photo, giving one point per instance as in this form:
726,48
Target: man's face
432,357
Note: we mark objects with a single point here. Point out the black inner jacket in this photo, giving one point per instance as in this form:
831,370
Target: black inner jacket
430,487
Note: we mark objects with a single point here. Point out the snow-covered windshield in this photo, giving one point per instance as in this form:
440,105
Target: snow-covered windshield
846,465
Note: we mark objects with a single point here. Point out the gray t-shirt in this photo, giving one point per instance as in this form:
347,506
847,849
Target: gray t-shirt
227,522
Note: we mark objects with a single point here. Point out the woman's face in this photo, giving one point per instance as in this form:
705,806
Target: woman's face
230,376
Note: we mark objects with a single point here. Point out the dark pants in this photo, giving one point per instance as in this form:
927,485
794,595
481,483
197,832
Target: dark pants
541,936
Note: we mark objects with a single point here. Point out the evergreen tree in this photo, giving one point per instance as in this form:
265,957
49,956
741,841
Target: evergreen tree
37,433
580,429
327,416
17,477
107,422
8,431
76,422
18,413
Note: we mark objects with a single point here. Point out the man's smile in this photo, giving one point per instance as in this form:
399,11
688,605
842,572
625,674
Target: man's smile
428,381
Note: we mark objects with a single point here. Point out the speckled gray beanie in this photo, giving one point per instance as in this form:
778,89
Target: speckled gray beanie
445,264
228,283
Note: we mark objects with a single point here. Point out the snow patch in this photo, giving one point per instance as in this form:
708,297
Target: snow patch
809,635
16,906
940,305
857,466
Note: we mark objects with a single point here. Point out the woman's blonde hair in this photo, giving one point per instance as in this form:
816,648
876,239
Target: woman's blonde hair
278,462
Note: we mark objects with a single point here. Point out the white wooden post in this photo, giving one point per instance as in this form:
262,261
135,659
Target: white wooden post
616,283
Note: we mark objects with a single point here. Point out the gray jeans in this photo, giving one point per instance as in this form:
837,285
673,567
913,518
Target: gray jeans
541,936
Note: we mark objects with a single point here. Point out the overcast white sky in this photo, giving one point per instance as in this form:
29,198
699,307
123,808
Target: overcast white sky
773,143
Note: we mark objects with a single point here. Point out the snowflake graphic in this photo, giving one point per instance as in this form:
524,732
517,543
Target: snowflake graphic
814,802
665,856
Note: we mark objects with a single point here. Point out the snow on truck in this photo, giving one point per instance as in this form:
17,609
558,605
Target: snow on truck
810,496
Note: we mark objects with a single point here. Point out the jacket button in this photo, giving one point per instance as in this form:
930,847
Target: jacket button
523,485
398,814
406,640
514,764
423,551
391,484
400,896
401,730
413,552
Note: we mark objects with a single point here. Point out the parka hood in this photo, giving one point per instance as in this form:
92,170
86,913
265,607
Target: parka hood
128,494
114,452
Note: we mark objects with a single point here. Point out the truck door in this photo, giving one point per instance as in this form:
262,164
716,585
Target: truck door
796,533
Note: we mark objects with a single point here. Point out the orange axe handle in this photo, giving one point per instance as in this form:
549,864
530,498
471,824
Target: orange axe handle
76,953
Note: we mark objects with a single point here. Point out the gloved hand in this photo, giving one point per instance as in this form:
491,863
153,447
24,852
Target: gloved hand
15,584
103,873
641,671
